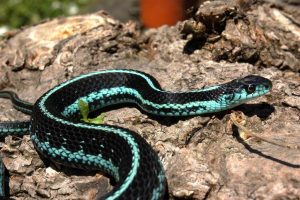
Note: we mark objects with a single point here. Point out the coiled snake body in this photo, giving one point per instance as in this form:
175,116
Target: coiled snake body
57,132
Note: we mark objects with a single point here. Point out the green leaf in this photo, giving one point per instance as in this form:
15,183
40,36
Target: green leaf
97,120
84,111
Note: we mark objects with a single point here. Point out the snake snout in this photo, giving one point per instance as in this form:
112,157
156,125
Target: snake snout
267,84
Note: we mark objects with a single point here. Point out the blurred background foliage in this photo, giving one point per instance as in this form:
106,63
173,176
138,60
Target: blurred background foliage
17,13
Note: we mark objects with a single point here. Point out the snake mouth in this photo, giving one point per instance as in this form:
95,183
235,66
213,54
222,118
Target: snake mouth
268,85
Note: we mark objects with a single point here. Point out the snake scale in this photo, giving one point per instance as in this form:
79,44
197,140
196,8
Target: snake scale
59,135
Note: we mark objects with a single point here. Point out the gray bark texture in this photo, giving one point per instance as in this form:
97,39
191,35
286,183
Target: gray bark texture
201,157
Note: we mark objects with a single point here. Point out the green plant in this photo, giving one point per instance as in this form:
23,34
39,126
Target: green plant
17,13
84,110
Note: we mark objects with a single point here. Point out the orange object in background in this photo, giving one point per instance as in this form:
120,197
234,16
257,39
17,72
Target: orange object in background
155,13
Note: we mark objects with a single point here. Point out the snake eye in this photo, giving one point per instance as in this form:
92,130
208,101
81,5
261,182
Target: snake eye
250,89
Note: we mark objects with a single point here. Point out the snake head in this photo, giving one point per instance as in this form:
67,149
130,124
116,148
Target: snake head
255,86
244,89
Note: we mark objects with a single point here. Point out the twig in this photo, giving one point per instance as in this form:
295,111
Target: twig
243,130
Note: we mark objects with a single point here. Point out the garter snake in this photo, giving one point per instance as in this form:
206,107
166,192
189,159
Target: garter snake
58,134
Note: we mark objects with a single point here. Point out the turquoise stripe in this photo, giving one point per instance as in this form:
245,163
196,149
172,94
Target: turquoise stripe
202,107
156,193
12,131
176,109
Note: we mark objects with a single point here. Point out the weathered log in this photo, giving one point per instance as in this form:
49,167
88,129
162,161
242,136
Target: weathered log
221,42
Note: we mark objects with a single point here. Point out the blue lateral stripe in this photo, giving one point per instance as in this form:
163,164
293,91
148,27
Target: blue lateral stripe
156,193
202,106
13,130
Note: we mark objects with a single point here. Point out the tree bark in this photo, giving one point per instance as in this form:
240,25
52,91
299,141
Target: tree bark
222,41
